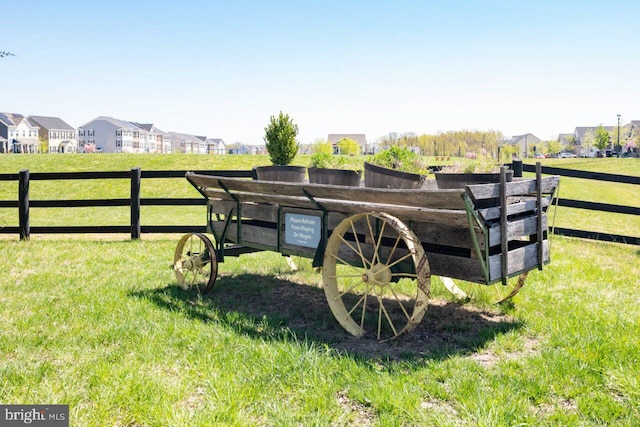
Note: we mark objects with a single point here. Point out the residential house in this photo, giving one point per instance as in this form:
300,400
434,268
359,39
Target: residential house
585,140
566,139
58,135
526,144
186,143
216,146
360,138
109,135
4,144
158,140
241,149
632,139
20,134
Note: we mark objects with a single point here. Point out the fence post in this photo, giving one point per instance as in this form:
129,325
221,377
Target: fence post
136,176
517,168
23,204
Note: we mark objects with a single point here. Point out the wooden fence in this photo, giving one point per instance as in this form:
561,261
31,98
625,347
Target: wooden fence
135,229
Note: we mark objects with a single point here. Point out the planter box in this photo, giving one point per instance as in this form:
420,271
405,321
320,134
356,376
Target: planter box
461,180
379,177
327,176
281,173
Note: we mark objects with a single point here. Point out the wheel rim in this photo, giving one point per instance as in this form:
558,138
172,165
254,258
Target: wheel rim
376,276
492,294
195,263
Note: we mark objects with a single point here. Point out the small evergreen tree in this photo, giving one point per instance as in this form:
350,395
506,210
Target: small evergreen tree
280,139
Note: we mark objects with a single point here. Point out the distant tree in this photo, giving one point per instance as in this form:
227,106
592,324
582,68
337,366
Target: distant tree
620,135
348,146
588,140
602,138
572,141
43,145
554,147
321,146
408,139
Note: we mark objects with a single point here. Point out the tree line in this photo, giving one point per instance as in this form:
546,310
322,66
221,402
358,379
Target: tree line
451,143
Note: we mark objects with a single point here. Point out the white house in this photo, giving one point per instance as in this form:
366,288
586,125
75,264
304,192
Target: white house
186,143
216,146
158,140
20,134
526,143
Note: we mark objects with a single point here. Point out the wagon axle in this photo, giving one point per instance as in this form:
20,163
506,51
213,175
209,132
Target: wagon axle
379,275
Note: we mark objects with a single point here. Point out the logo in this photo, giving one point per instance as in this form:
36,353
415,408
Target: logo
36,415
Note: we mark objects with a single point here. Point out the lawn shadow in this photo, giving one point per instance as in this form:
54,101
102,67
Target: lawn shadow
273,308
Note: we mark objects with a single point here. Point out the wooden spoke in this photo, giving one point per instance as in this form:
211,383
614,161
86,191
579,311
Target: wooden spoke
390,262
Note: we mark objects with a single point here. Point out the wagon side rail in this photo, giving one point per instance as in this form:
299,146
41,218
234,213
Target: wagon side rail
513,217
461,230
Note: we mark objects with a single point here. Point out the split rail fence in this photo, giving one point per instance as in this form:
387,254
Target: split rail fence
24,204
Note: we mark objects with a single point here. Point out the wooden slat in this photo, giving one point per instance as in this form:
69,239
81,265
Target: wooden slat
456,267
517,229
435,199
515,208
251,235
514,188
446,235
503,224
404,213
259,211
520,260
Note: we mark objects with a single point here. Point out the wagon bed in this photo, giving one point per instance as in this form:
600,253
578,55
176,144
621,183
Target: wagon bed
482,234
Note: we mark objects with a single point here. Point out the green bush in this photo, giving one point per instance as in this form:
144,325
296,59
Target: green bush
280,139
400,158
325,160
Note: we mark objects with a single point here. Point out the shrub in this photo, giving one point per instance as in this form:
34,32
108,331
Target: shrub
280,139
401,159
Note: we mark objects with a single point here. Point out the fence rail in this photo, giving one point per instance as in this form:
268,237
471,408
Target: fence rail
592,206
135,229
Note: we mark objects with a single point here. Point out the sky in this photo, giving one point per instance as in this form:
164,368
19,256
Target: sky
222,68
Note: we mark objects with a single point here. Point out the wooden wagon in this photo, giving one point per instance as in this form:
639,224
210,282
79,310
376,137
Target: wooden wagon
378,248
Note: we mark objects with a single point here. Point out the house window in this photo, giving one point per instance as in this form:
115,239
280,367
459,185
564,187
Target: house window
81,132
119,132
90,132
118,143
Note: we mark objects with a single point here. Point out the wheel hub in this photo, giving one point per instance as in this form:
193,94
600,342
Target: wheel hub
378,275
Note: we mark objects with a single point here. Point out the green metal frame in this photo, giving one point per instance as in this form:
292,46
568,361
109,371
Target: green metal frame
483,256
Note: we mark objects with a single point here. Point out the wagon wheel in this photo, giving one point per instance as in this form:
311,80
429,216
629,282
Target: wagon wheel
494,294
376,276
195,262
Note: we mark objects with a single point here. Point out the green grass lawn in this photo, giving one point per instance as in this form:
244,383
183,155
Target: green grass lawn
103,327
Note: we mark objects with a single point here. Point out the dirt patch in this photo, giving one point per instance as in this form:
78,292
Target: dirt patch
359,413
273,308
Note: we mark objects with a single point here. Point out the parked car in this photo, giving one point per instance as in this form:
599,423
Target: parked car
539,156
566,155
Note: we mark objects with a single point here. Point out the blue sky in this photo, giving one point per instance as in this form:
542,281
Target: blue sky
221,68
